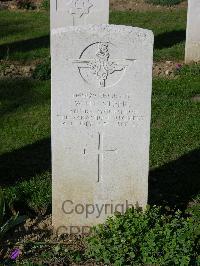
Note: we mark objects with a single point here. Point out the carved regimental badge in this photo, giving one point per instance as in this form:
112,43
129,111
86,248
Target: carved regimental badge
77,8
100,69
80,7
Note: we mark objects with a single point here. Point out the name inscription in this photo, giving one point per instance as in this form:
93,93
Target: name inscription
100,109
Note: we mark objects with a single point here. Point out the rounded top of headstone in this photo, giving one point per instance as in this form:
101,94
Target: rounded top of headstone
107,28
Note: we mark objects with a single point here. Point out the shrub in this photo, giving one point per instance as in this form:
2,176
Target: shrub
146,238
164,2
25,4
43,70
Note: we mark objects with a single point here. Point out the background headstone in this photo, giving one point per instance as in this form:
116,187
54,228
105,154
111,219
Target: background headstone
78,12
101,110
192,52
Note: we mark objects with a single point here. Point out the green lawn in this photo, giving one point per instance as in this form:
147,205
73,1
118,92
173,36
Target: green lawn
25,165
174,179
168,27
25,35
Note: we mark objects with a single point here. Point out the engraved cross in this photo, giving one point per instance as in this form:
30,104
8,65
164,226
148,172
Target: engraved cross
100,155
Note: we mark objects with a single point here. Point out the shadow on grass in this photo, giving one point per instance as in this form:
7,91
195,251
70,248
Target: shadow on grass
16,93
24,46
173,184
24,163
169,39
164,40
177,182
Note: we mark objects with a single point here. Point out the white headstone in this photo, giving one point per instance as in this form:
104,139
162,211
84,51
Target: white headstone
193,32
101,110
78,12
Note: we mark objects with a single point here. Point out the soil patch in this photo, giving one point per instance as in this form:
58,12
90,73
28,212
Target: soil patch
34,237
140,5
38,244
115,5
16,69
196,98
166,69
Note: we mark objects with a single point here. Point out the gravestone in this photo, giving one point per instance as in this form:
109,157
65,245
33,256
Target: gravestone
101,110
192,52
78,12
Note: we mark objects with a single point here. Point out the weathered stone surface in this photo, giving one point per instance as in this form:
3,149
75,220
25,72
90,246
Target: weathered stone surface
101,110
192,51
78,12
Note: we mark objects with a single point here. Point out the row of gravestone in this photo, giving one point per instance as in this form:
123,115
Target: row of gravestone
192,51
83,12
101,112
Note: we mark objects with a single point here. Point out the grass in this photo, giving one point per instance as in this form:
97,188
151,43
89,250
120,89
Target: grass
168,27
25,35
25,138
25,112
25,141
25,159
174,179
25,104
